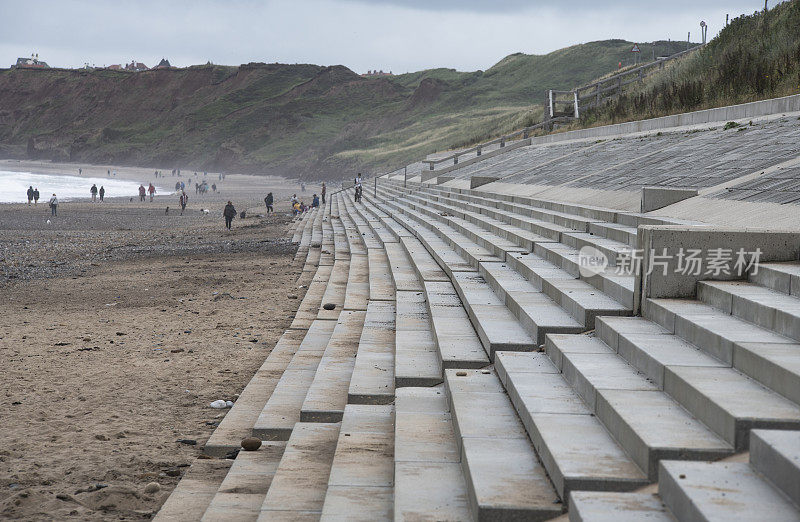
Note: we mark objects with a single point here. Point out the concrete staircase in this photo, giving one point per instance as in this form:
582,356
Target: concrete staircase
468,369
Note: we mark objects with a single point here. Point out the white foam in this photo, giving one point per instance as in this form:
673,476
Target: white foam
14,186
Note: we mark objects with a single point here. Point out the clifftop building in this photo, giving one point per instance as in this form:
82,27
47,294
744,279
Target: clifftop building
30,63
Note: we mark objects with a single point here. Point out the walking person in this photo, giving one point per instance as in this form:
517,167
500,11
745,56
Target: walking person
142,192
315,201
183,200
152,190
54,205
102,193
323,192
30,195
93,190
268,202
229,213
35,196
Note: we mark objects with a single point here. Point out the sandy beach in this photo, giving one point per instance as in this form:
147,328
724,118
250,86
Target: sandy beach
119,323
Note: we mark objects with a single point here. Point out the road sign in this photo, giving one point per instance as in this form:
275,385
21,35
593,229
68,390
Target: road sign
635,48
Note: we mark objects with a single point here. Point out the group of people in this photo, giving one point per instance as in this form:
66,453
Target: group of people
144,191
95,192
33,196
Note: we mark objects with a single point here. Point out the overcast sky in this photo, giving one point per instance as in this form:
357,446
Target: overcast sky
396,35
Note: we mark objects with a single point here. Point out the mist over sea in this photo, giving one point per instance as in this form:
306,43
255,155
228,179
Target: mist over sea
14,186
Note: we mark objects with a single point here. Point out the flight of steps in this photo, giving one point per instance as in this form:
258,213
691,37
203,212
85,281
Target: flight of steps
470,371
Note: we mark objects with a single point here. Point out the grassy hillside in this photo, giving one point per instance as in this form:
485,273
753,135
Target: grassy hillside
294,120
754,58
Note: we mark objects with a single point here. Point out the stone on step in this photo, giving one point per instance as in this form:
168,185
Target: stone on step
776,455
721,491
335,290
299,485
238,422
309,307
242,492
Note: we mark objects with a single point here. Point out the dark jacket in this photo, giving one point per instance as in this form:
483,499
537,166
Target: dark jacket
268,199
229,211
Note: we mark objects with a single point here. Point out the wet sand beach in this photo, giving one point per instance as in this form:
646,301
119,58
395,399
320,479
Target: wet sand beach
119,324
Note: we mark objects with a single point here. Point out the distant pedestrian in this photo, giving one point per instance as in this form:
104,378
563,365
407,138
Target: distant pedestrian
214,187
152,190
35,196
108,172
102,193
54,205
93,190
323,192
196,186
229,213
142,192
183,200
30,194
177,186
80,172
268,202
315,201
183,185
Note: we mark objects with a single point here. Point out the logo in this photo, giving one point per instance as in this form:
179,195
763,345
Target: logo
591,261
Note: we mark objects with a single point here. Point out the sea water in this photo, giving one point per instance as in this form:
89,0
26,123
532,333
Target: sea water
14,186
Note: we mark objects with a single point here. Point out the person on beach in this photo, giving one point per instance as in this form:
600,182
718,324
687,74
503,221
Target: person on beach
268,202
93,190
102,193
152,190
229,213
323,192
183,185
54,205
80,172
35,196
315,201
30,195
177,186
214,187
142,192
196,186
294,199
108,173
183,200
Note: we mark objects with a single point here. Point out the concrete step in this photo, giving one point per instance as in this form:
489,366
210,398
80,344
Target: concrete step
622,233
645,421
537,313
583,301
721,397
372,380
574,447
402,269
312,301
504,478
428,482
769,358
381,286
357,290
497,327
783,277
335,290
595,506
361,481
458,344
613,250
300,483
341,246
721,491
195,491
282,410
425,266
762,306
238,422
417,361
327,395
242,493
776,455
